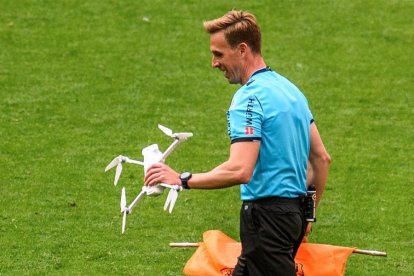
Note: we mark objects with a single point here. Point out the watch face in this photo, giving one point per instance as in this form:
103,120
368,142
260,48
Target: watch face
185,175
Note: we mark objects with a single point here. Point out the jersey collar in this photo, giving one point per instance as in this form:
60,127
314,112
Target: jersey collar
267,68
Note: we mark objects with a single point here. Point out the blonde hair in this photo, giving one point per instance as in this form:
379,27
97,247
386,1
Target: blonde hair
238,27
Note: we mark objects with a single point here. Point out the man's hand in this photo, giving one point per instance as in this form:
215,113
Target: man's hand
161,173
307,232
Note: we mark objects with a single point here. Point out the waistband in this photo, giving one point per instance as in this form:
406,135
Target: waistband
276,200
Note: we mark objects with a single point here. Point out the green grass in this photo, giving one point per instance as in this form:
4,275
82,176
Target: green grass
81,82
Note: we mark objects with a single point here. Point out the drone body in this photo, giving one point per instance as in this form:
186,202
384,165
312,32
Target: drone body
152,155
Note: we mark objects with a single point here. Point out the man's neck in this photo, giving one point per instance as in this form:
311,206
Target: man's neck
255,64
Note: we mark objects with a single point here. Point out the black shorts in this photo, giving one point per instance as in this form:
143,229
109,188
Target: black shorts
271,230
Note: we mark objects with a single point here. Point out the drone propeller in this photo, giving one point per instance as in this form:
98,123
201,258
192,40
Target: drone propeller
168,200
117,160
118,163
166,130
179,136
123,199
118,173
124,209
172,196
183,135
173,200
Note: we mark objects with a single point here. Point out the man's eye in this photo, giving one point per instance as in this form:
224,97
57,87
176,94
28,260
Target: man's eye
217,54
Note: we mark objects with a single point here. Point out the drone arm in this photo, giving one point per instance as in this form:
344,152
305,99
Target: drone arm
132,161
172,187
170,149
136,200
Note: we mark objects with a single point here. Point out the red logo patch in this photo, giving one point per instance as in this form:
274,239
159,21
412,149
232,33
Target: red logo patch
248,130
227,271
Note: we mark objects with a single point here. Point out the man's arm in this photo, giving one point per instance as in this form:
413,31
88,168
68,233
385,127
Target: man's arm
238,169
319,160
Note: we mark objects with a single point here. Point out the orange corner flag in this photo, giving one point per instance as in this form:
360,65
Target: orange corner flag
217,256
321,259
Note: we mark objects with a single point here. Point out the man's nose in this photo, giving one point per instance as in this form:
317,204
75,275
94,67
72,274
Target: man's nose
214,63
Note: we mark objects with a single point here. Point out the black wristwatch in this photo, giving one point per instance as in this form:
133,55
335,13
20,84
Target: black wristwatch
184,177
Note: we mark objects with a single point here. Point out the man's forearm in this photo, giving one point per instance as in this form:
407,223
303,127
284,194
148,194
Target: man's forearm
319,160
223,176
319,173
238,169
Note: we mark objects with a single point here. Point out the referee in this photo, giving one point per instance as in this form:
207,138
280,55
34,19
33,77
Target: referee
273,139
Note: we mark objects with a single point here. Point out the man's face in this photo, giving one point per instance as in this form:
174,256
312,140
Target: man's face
225,58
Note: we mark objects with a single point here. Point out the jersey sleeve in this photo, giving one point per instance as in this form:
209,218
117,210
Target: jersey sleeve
309,112
244,118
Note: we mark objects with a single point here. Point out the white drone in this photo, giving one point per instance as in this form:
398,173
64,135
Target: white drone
151,155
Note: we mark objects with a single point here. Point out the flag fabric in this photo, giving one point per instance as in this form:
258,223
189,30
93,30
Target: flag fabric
321,259
217,256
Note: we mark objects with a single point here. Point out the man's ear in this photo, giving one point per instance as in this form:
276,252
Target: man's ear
243,48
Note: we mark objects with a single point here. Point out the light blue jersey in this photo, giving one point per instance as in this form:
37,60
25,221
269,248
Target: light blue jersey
272,110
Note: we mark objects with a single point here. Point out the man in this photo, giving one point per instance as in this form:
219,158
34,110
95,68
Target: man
273,137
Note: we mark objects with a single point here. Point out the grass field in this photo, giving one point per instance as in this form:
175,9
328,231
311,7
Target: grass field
84,81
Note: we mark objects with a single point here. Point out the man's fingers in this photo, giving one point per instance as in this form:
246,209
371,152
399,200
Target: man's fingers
155,168
153,179
160,173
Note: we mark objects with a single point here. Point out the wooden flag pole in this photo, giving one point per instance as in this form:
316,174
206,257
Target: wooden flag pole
356,251
370,252
184,244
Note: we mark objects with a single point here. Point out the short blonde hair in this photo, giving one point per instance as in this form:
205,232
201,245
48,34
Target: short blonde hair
238,27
